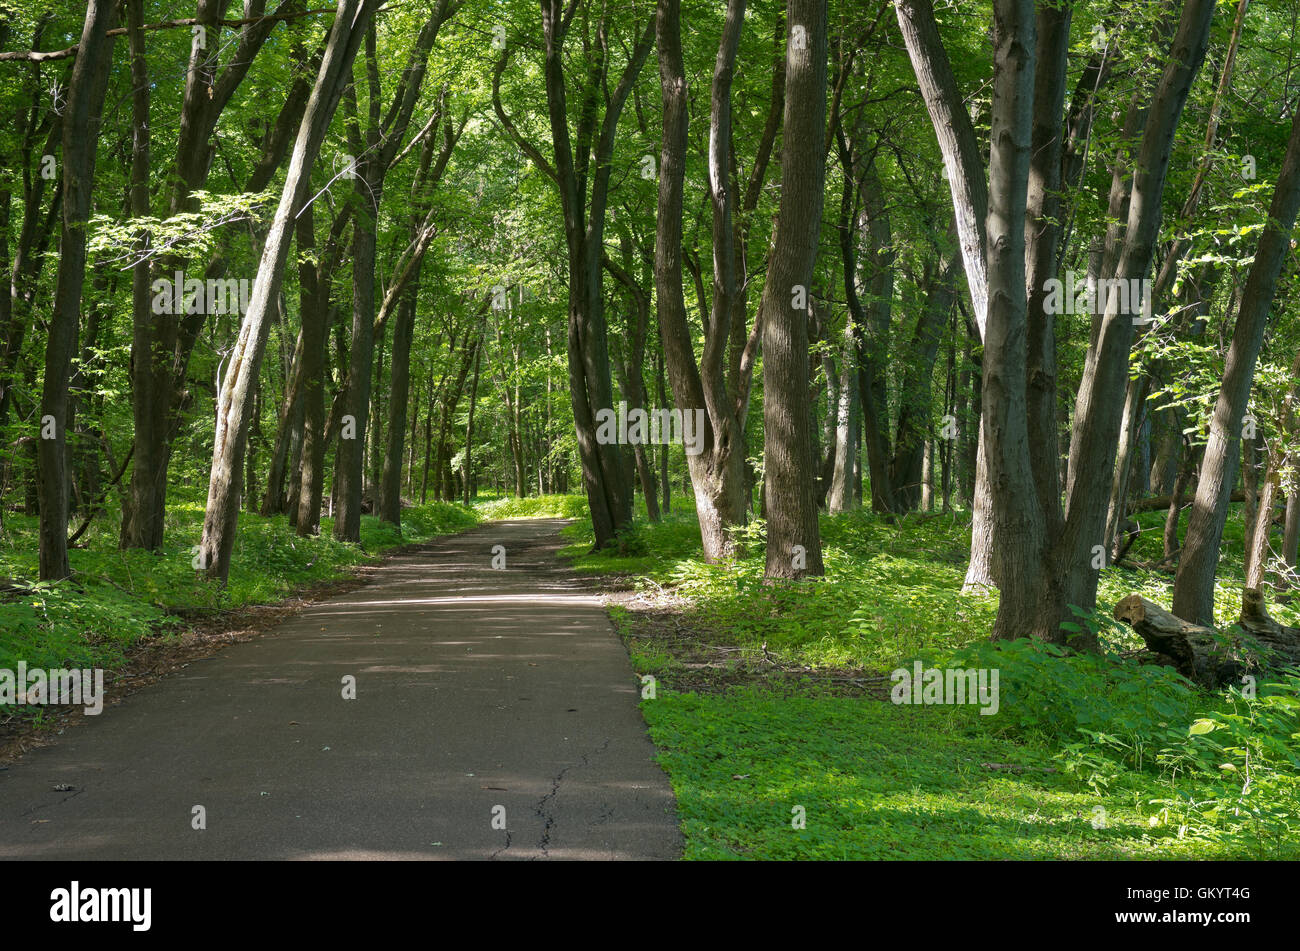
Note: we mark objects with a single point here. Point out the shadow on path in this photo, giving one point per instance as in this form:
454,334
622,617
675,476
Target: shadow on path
475,689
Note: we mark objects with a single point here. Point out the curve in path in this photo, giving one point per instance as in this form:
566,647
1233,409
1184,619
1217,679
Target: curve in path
483,698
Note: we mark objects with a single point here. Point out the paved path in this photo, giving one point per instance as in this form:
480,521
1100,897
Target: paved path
475,688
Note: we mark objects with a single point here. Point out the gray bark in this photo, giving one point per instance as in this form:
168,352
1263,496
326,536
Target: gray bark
790,483
350,23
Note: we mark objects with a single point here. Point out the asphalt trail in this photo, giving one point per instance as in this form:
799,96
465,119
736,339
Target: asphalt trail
475,689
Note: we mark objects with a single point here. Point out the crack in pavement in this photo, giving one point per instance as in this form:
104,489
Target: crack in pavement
555,788
503,848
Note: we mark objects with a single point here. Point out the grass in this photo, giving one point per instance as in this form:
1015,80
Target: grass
533,506
1124,761
882,782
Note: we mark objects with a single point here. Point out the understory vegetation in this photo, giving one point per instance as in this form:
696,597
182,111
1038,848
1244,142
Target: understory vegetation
773,697
116,598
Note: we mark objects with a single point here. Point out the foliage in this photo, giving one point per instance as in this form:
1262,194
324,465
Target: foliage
1166,763
116,599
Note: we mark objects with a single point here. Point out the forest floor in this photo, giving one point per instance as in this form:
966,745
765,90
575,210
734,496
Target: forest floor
773,718
494,716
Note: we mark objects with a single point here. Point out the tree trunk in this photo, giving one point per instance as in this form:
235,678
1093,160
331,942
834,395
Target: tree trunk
1043,216
1015,520
1194,587
590,389
390,491
957,141
81,123
907,466
717,472
1278,460
314,313
874,321
1291,533
374,155
470,483
142,522
790,489
166,342
840,498
222,513
1099,407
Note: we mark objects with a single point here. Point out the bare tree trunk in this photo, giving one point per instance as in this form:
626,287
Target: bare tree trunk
374,153
288,435
907,467
634,381
591,151
450,401
390,492
791,499
717,472
314,314
142,522
666,487
927,478
873,360
840,498
81,123
1278,459
1261,525
164,343
957,141
1043,216
470,484
1174,512
1099,408
1016,521
222,514
862,392
1291,533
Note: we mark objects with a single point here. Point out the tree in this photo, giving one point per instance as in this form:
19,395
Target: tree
234,404
580,168
84,111
1194,587
793,537
374,154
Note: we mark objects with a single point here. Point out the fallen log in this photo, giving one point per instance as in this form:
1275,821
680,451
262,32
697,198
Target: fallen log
1204,655
1154,503
1194,651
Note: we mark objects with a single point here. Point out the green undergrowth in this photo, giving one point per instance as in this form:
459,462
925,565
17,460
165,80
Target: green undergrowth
1086,757
879,781
534,506
117,598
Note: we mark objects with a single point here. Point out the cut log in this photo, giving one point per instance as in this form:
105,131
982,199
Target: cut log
1204,655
